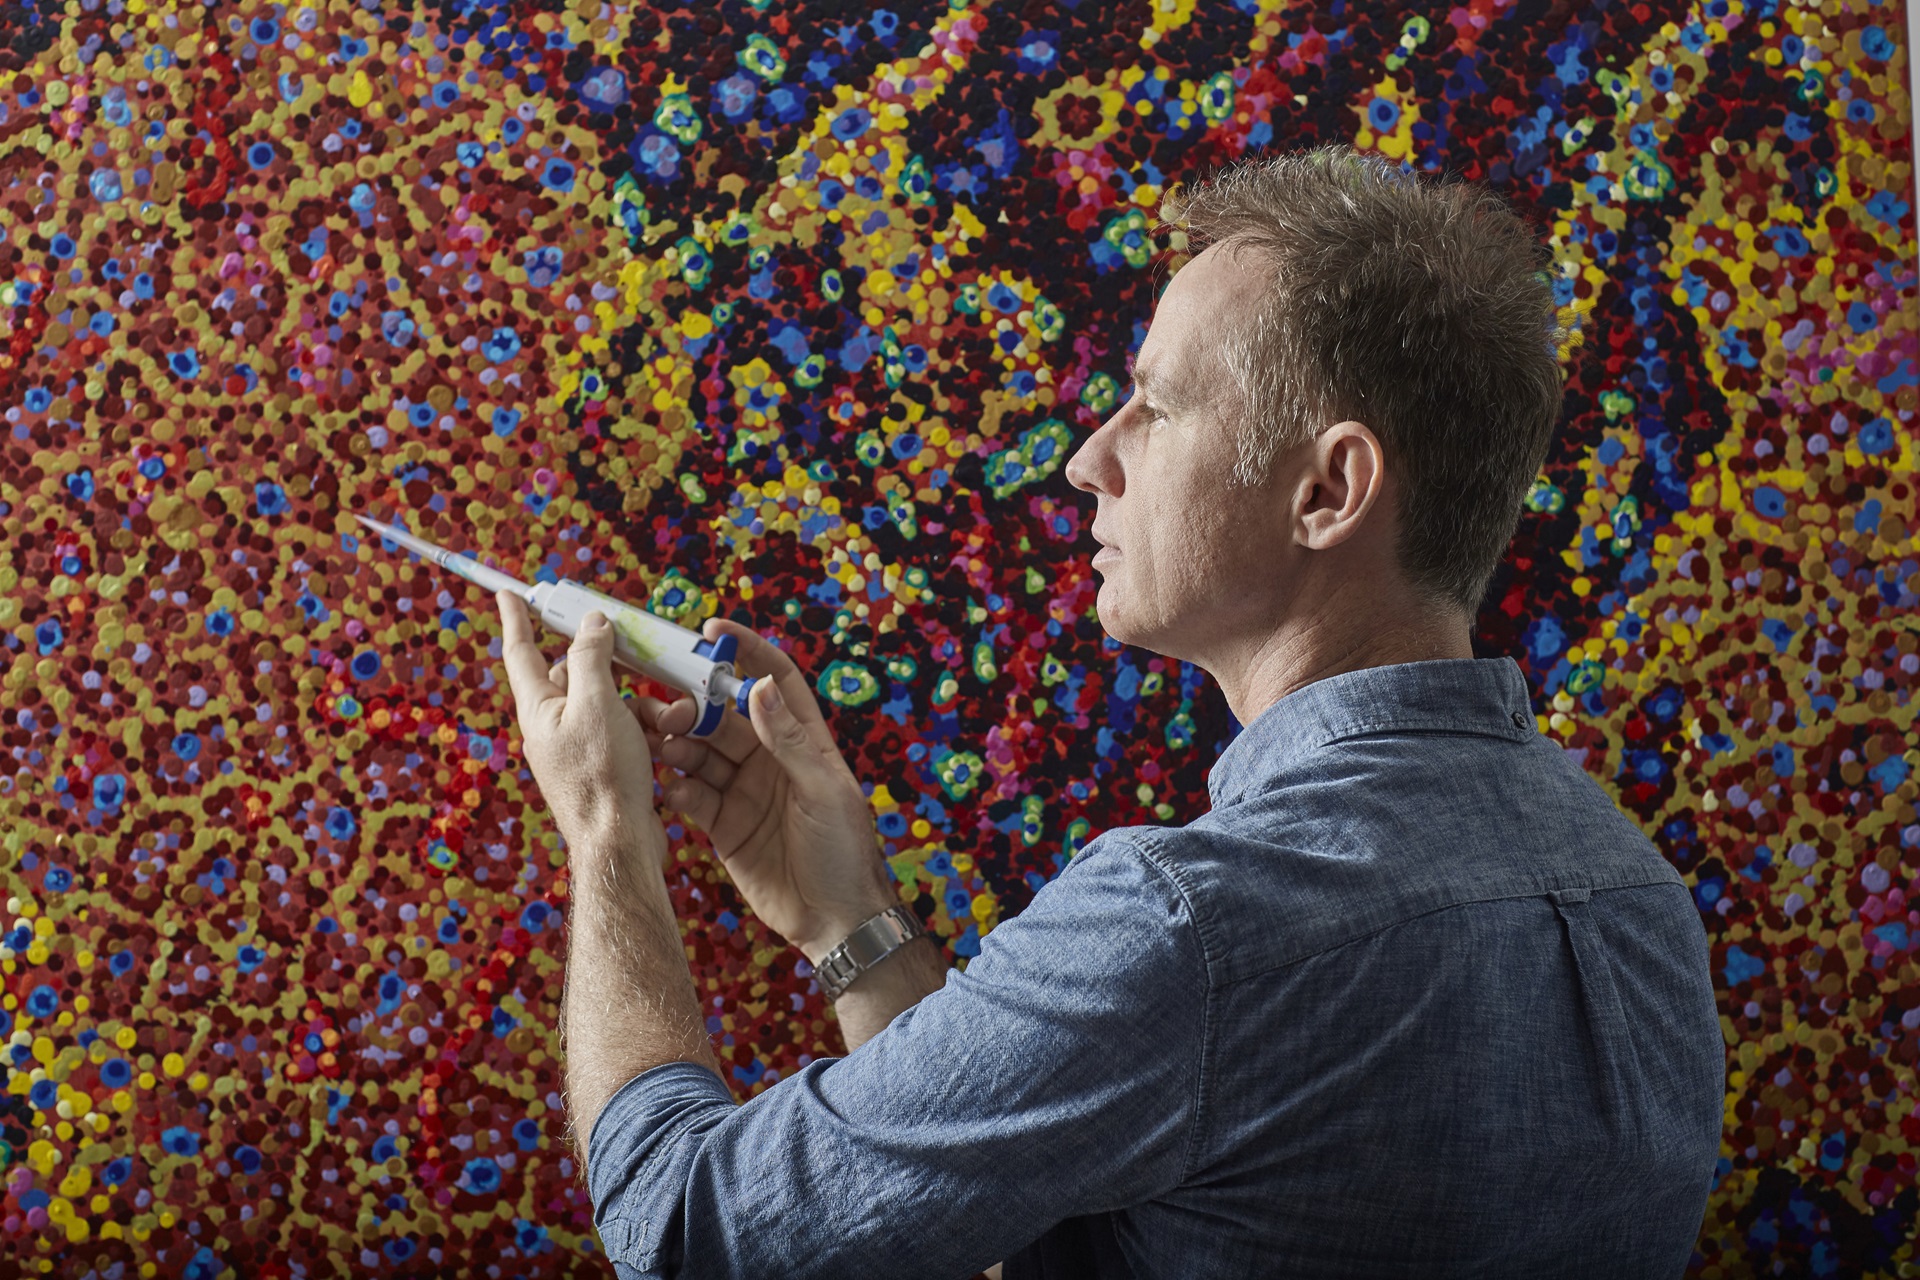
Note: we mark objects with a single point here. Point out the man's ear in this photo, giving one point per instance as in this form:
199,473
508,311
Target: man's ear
1345,472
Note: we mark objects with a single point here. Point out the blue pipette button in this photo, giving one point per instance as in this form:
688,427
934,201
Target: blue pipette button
710,714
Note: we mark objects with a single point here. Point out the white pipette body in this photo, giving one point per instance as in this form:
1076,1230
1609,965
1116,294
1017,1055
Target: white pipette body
643,642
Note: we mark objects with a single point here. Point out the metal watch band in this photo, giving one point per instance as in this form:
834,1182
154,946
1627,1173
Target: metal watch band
873,941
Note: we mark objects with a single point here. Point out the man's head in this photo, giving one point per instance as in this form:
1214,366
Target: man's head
1346,395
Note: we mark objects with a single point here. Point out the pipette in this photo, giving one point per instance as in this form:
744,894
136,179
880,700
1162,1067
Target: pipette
642,642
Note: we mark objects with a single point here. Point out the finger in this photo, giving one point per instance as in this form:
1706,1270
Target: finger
792,741
558,674
759,656
690,755
590,675
647,709
676,716
526,668
734,739
693,799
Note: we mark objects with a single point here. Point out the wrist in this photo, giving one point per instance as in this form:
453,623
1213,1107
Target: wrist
837,928
616,843
876,940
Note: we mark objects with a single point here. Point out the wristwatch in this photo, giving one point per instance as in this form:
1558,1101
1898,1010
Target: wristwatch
873,941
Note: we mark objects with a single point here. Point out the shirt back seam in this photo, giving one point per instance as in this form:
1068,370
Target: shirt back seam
1432,911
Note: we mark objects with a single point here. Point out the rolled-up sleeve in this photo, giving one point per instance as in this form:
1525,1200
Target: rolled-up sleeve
1058,1076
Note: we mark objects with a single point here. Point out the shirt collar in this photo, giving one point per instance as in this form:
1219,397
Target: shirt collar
1485,696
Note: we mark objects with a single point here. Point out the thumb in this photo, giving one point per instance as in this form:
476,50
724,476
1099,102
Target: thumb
590,661
781,732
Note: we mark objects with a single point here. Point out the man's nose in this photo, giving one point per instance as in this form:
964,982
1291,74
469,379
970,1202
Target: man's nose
1093,467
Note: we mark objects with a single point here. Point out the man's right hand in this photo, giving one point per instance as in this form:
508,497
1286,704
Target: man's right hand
784,812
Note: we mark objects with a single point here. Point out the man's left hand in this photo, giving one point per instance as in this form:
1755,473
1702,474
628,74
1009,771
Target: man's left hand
586,749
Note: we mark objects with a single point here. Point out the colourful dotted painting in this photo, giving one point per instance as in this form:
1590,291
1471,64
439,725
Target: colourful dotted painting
791,311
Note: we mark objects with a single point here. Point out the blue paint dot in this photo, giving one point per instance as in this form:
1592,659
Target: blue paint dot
482,1175
503,346
850,124
109,790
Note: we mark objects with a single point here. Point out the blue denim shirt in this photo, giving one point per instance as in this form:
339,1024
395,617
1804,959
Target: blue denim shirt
1414,999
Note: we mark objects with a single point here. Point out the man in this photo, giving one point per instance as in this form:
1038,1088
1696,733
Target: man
1413,999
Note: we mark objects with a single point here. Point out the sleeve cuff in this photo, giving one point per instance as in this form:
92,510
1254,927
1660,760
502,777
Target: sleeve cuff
641,1128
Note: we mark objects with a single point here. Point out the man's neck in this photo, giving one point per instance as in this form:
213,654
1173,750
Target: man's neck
1329,644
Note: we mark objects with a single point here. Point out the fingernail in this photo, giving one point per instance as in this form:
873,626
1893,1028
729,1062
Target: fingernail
593,622
773,697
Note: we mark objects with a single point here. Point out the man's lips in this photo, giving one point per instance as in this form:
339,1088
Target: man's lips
1106,552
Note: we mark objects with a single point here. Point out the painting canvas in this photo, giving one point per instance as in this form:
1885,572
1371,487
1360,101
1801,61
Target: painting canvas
791,311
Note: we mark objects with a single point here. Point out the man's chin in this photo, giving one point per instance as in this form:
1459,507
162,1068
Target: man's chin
1112,614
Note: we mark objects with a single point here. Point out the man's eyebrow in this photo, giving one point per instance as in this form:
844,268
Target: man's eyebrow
1142,378
1147,386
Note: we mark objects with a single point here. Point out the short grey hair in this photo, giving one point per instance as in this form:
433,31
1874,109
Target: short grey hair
1422,308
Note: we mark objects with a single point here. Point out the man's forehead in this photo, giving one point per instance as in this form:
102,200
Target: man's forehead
1204,292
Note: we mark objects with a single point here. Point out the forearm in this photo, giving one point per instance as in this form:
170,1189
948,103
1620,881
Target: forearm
894,985
630,1004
